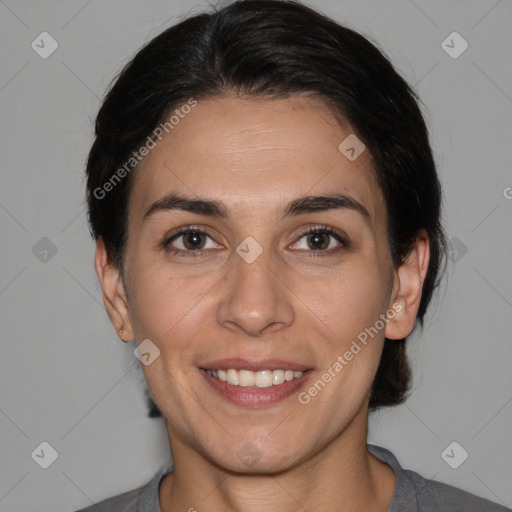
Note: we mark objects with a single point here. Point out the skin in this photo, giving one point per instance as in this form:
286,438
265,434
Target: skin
256,156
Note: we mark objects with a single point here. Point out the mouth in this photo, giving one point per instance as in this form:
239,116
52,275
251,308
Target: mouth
259,379
255,384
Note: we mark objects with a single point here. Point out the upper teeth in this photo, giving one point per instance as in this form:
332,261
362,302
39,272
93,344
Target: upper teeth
261,379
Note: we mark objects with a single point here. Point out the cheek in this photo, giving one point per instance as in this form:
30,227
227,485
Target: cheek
164,304
171,306
177,313
170,311
346,299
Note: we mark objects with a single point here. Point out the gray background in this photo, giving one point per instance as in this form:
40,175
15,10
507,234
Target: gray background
68,380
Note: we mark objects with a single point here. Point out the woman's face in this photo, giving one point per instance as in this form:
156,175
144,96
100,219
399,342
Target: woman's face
249,288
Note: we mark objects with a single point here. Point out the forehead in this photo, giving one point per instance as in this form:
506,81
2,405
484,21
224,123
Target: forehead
254,152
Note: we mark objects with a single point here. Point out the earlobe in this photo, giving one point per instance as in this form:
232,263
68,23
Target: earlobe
407,290
113,292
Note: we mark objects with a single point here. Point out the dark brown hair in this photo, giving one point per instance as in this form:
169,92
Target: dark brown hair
276,49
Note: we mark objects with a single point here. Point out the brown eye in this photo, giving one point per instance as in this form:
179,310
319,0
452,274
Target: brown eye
190,241
322,239
194,240
318,241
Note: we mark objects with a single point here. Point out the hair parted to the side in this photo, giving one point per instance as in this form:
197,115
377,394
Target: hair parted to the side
277,49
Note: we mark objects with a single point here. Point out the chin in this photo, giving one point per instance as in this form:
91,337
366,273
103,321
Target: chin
251,457
254,463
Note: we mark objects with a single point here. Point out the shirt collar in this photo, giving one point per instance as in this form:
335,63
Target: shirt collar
404,487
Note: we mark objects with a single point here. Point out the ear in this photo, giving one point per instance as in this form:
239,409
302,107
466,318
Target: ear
407,289
114,296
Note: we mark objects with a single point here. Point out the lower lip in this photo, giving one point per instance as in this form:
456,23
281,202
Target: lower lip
253,396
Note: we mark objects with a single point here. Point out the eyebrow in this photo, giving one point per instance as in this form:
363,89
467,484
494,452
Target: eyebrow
299,206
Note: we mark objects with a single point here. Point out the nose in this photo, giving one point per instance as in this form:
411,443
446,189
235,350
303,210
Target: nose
254,300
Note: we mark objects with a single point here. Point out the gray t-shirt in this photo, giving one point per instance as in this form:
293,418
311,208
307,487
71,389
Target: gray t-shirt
413,493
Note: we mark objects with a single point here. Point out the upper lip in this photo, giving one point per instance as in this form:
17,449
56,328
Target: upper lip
254,365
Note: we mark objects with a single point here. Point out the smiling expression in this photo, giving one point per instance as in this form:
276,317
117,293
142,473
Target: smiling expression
256,248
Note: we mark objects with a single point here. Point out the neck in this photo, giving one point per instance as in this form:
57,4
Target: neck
342,477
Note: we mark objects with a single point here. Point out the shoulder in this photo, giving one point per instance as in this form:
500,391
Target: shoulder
432,495
142,499
126,502
416,493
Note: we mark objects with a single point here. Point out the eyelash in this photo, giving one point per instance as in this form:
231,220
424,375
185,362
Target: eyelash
166,243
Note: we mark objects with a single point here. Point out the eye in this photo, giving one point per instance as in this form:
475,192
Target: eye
320,239
194,241
190,240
